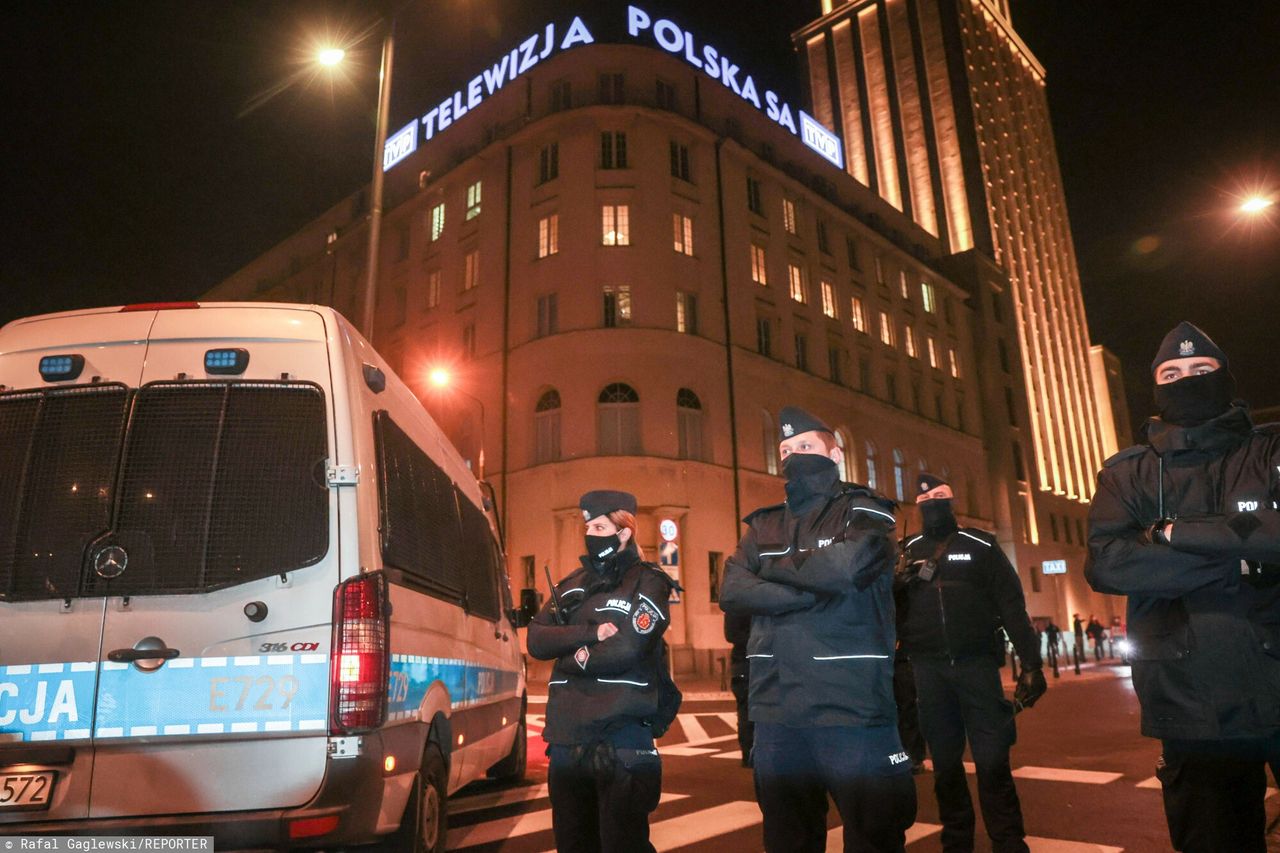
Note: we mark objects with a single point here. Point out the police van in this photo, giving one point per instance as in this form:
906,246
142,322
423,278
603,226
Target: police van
247,587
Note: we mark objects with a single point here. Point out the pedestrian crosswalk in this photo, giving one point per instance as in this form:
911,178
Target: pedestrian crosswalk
693,818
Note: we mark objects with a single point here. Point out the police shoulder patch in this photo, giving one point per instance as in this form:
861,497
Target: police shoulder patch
646,617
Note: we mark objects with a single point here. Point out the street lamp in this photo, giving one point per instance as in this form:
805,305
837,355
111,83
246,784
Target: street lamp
330,57
442,379
1256,204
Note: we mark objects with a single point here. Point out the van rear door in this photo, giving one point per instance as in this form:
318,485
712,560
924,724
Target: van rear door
59,446
216,634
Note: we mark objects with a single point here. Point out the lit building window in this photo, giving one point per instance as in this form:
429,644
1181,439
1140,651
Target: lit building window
886,329
795,277
548,235
759,274
437,222
617,305
955,362
909,340
872,480
829,299
686,313
683,227
473,201
858,314
933,352
616,225
471,270
900,474
927,296
789,215
879,270
902,284
847,473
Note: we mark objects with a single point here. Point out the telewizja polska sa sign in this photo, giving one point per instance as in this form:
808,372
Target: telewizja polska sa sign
640,26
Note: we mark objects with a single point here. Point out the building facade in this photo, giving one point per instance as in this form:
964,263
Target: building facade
943,112
628,270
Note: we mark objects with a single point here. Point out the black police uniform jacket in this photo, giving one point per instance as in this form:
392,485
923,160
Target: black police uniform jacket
599,687
974,592
1204,611
819,588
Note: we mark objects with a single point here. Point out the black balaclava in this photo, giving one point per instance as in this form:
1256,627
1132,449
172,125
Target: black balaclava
939,518
936,514
810,480
1196,399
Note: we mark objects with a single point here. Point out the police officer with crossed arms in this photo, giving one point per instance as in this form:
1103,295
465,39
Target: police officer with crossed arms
959,591
1186,525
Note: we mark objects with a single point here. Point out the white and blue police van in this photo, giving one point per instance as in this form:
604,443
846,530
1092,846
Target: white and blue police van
247,587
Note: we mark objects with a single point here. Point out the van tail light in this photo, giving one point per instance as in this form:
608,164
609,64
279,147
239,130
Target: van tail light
361,655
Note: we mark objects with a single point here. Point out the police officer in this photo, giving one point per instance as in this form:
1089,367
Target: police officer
816,575
960,591
609,695
737,631
1185,524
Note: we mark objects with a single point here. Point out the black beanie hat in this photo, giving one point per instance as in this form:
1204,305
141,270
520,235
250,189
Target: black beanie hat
793,420
605,501
928,482
1187,341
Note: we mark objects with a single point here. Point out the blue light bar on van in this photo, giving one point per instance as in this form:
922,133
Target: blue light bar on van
57,368
226,362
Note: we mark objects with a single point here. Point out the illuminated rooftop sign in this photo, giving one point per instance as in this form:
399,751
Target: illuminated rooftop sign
1054,567
640,26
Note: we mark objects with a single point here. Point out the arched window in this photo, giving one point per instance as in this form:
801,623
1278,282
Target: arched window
546,427
769,442
847,472
872,478
689,424
900,474
618,421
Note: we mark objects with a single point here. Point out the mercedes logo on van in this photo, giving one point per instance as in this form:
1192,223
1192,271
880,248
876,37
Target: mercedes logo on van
111,562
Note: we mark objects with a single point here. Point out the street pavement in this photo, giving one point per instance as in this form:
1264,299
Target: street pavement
1085,776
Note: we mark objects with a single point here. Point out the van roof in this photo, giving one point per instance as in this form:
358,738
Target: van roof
162,306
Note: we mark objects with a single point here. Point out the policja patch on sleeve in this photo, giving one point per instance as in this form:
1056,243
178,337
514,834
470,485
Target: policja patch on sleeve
645,617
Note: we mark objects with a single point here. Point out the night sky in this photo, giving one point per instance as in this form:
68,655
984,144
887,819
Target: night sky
152,148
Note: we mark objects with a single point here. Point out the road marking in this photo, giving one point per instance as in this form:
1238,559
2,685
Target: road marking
693,730
477,802
835,837
730,717
702,825
736,755
492,831
1153,782
1054,845
685,751
1056,774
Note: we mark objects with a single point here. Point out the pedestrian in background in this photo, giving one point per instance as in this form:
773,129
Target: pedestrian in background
1186,526
610,693
961,596
1077,626
815,573
1098,634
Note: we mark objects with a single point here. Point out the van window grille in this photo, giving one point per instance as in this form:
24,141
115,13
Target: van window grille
58,453
419,513
209,485
481,568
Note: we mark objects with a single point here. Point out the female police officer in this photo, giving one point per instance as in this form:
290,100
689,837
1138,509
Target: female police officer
609,693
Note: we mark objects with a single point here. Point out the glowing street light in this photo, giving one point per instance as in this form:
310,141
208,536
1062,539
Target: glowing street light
1256,204
330,56
439,377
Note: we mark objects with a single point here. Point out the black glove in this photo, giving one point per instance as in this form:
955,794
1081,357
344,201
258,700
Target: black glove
1031,686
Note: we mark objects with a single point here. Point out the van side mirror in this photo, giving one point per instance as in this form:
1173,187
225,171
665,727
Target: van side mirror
523,615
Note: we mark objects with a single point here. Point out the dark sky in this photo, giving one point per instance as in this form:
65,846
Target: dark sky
152,148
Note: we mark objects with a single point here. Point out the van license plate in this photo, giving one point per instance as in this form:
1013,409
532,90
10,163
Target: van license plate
25,790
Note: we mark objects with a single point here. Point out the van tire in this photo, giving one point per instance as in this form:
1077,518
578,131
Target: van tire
424,827
511,769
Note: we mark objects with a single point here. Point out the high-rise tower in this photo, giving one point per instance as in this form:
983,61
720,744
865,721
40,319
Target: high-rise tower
943,111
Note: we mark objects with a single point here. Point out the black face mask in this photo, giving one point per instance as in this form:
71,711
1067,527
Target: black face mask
937,515
603,549
809,476
1196,399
